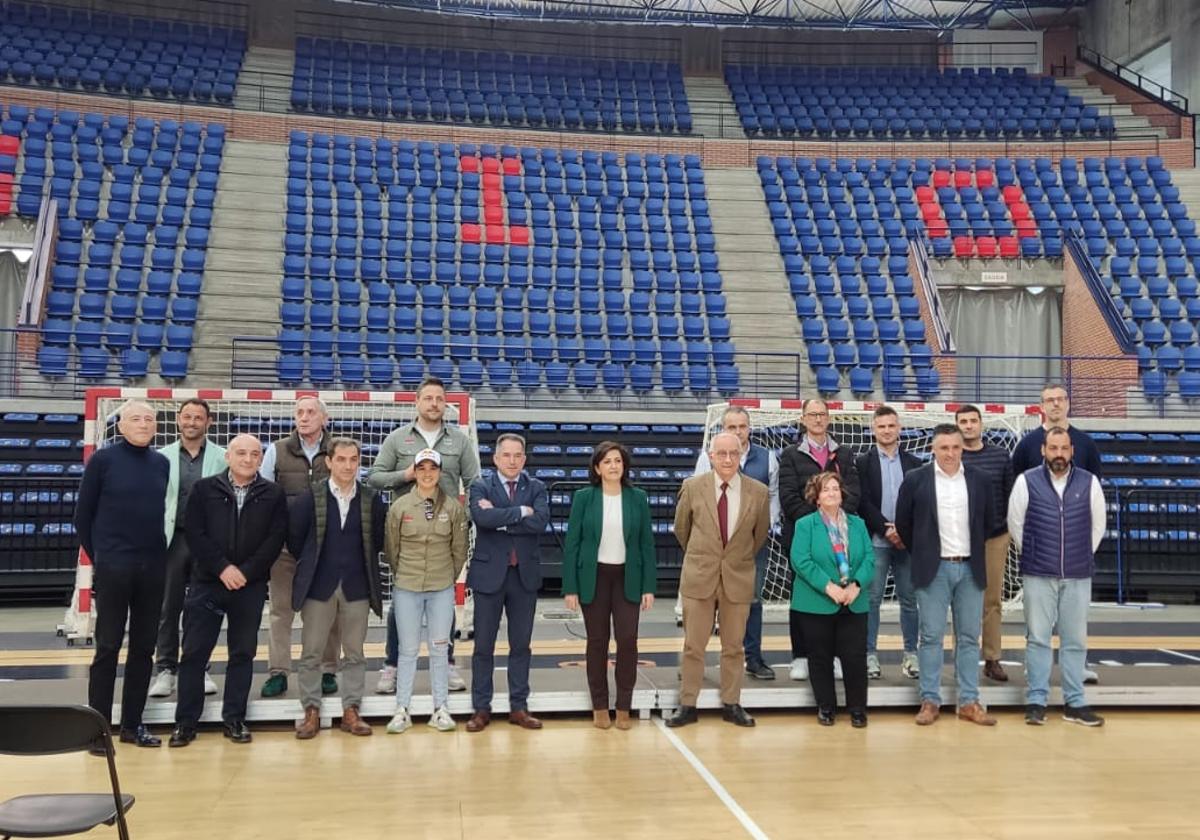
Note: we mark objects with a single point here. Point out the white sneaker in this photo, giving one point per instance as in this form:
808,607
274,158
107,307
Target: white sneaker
441,720
837,668
454,680
163,685
874,672
399,722
210,687
799,670
387,680
1090,677
909,666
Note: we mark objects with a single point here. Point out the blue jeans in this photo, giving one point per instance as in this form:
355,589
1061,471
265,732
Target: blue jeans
1050,601
752,641
437,610
898,561
952,588
391,648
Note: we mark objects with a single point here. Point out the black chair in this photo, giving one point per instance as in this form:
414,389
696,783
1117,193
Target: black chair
45,730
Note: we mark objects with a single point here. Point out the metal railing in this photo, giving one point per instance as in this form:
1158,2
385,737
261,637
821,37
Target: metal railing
1162,94
1077,252
1158,546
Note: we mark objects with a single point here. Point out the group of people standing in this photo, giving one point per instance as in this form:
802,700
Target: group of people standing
206,534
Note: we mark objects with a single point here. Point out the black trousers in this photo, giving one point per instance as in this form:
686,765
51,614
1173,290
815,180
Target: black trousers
205,608
796,631
610,614
179,572
844,635
125,591
519,606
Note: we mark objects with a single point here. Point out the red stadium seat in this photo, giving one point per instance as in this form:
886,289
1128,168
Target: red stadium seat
494,234
5,203
937,228
468,163
941,178
470,232
9,145
518,235
493,214
491,180
1019,210
985,178
962,178
1010,247
925,195
1012,193
1026,227
931,210
986,246
964,246
512,166
490,166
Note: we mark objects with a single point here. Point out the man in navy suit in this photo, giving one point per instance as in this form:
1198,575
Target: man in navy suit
944,513
510,510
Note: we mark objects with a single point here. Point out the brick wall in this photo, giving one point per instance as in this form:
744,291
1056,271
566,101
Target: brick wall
1098,385
257,125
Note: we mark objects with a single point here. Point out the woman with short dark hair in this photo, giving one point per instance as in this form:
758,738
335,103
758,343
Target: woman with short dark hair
834,564
610,568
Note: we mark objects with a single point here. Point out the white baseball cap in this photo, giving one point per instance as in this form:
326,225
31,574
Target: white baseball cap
429,455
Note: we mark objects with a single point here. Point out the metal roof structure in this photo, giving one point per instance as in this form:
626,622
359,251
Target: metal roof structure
921,15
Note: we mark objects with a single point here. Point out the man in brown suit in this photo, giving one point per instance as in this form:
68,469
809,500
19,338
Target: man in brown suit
721,520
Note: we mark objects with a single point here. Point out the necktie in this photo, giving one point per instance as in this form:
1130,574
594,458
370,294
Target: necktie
512,495
723,513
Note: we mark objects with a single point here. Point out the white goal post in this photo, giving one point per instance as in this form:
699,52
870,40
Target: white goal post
776,424
368,416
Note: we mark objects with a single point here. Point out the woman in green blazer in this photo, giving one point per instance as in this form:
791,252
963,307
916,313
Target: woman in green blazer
609,567
834,564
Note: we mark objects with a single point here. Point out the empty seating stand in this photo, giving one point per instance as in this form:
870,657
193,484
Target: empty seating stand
843,226
488,88
98,52
499,266
908,103
135,202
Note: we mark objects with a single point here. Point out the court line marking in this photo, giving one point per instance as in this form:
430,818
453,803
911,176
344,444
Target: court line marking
1177,653
738,812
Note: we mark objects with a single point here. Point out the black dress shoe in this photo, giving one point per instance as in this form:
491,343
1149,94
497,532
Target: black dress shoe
858,719
734,713
683,716
182,736
141,736
237,732
760,671
826,717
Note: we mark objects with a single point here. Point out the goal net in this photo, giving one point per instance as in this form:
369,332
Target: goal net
366,416
775,424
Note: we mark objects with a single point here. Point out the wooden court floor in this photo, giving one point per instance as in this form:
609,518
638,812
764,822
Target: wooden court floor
788,778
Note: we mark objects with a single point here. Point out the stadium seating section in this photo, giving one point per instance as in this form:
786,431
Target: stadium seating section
908,103
98,52
488,88
842,227
135,202
550,267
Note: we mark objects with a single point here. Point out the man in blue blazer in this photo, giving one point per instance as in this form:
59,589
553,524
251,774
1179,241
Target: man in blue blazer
944,513
510,510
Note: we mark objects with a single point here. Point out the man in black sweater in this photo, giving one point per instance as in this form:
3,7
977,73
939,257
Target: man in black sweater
1056,408
119,519
236,525
994,463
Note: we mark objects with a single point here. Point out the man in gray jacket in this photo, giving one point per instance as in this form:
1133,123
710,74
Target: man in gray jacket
393,470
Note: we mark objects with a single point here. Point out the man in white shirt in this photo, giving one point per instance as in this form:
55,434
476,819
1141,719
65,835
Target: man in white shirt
1056,516
944,513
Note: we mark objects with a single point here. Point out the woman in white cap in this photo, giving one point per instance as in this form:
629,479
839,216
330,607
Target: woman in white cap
426,546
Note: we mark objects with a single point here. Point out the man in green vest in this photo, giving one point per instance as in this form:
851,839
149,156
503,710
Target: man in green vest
294,463
192,457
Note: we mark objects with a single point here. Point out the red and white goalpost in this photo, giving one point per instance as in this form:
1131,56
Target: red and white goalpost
776,423
368,416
